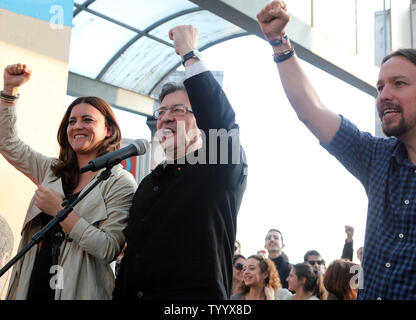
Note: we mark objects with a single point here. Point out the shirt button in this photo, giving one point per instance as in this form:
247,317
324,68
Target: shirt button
388,265
401,235
155,188
406,201
140,294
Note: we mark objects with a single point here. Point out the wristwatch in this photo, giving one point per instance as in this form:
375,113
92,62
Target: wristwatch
191,54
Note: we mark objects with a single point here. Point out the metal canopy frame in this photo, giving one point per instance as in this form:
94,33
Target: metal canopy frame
299,31
85,4
213,43
122,24
146,33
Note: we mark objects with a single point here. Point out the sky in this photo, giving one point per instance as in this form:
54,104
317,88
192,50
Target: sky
294,185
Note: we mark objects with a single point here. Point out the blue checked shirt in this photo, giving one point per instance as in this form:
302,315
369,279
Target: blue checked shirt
389,179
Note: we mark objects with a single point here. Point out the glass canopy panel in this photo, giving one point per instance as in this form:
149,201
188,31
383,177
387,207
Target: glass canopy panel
210,27
141,65
140,13
146,62
93,42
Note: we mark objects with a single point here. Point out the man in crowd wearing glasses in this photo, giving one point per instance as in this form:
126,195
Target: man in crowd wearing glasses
182,227
314,258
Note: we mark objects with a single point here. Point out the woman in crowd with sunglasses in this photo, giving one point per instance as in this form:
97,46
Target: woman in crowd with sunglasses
238,264
306,282
315,259
261,281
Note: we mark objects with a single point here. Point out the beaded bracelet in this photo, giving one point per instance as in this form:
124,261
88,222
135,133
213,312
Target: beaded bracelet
7,97
283,56
281,40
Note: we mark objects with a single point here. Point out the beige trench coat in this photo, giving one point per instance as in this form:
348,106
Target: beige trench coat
97,237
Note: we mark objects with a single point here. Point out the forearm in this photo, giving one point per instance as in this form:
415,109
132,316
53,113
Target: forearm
31,163
11,90
348,251
211,106
322,122
104,244
69,223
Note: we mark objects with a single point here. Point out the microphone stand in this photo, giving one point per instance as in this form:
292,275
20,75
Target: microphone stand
60,216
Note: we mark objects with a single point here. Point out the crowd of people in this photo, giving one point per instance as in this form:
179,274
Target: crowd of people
268,275
177,229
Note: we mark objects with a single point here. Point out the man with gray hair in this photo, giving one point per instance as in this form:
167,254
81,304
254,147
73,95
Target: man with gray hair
182,227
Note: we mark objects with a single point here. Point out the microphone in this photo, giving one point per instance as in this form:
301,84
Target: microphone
137,148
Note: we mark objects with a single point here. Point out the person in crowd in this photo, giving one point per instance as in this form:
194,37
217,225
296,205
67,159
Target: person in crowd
348,249
306,282
238,264
384,166
237,247
92,235
262,252
274,245
190,202
6,248
360,251
261,281
118,260
315,259
341,280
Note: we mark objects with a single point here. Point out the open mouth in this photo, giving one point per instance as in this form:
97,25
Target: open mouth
389,111
166,134
168,131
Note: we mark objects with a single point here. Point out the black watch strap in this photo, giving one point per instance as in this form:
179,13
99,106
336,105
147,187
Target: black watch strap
191,54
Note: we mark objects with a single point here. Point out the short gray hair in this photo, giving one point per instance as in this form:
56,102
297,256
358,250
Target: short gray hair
170,87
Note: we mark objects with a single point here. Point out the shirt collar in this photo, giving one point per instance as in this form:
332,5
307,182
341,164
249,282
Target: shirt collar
400,155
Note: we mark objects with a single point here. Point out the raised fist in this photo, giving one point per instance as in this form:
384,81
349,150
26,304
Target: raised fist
350,233
273,20
14,76
185,39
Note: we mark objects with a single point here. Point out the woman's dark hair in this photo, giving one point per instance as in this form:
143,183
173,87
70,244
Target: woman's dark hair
268,266
236,257
337,279
314,282
409,54
170,87
67,167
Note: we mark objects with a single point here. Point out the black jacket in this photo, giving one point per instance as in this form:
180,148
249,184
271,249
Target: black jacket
182,227
283,268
